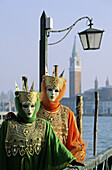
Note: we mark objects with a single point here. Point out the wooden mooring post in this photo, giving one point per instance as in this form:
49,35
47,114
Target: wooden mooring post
95,123
79,112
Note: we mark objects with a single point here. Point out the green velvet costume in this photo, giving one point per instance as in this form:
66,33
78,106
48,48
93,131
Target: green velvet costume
31,144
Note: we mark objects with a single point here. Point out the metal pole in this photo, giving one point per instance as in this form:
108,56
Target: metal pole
43,46
79,112
95,122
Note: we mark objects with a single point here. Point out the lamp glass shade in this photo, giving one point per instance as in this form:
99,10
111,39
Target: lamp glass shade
91,39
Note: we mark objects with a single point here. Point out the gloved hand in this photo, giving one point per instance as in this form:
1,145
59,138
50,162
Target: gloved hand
74,162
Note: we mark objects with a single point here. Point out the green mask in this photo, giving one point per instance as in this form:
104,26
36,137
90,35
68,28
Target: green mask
27,105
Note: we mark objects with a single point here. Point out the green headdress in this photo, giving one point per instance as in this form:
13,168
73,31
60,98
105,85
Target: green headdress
24,96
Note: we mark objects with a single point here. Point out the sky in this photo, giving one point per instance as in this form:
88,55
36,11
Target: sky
20,35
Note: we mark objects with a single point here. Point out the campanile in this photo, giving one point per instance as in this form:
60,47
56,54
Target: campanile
75,72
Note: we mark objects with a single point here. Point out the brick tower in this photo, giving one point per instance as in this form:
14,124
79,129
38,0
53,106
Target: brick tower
75,72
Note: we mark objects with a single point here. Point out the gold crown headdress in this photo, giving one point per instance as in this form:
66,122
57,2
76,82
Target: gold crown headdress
24,95
54,79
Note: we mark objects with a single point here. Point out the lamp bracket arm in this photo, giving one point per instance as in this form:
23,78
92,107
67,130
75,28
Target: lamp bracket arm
69,29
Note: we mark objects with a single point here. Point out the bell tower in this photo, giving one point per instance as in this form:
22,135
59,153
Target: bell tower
74,72
96,83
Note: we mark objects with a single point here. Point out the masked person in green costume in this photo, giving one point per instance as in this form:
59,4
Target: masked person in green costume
29,143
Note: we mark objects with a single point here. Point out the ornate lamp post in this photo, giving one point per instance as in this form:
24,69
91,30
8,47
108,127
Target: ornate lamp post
90,38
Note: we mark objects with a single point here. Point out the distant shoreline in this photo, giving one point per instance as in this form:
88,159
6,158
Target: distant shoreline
98,115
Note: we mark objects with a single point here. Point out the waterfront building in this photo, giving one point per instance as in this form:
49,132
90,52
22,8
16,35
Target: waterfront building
7,101
6,104
105,99
2,116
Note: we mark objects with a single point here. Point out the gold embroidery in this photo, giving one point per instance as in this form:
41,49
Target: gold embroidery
56,81
24,137
58,121
27,96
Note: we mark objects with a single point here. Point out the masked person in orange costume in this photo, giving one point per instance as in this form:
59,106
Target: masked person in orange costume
61,118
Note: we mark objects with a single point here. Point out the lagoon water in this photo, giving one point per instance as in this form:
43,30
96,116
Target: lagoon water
104,133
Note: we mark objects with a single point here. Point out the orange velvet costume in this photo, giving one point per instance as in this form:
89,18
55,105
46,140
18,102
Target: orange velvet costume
64,126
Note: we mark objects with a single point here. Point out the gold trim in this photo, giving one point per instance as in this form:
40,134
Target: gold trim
54,81
27,96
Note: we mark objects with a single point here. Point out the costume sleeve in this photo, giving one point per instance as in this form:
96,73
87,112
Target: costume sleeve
74,142
3,157
55,155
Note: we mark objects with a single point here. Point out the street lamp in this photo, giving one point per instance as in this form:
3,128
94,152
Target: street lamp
90,38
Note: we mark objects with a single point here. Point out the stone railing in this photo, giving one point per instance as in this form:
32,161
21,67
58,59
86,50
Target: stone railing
103,161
